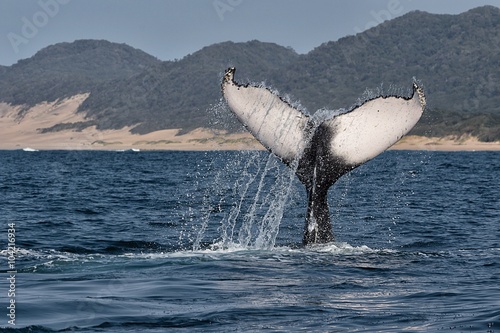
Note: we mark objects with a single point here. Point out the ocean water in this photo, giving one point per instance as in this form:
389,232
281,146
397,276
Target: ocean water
211,242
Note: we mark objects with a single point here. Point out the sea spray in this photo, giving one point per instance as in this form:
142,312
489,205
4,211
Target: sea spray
338,197
252,206
269,227
213,200
240,190
245,234
220,195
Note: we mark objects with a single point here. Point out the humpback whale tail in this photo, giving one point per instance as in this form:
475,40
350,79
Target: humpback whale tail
321,153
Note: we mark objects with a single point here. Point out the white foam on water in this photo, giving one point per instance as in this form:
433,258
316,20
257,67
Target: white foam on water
220,249
341,248
19,252
51,259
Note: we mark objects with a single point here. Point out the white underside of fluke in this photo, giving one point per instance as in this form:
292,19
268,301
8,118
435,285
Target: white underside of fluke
357,136
371,128
275,123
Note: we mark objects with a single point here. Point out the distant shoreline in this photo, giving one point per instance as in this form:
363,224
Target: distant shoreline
464,143
203,140
24,132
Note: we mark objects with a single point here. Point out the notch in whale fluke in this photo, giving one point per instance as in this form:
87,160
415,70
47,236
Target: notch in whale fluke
321,153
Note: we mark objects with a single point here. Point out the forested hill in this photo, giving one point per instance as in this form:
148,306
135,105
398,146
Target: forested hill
66,69
457,57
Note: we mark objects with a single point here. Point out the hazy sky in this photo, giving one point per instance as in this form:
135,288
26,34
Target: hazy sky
170,29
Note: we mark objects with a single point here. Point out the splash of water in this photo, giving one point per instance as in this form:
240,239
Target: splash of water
241,189
256,207
269,227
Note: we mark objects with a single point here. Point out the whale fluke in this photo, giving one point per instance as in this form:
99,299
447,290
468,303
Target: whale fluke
321,153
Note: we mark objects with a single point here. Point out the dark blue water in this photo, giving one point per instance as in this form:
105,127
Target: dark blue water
211,242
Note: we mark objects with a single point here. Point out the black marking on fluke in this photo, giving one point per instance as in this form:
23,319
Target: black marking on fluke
321,153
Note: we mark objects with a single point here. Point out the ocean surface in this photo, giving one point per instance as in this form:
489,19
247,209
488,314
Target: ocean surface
211,242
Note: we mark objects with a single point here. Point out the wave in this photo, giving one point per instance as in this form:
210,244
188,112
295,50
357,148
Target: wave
147,250
28,149
151,250
51,260
220,250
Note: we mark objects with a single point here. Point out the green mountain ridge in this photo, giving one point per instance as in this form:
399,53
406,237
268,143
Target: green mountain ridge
66,69
456,57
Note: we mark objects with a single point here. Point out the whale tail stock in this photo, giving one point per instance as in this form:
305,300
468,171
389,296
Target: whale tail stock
320,153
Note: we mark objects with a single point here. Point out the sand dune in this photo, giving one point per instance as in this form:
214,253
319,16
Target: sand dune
20,131
17,132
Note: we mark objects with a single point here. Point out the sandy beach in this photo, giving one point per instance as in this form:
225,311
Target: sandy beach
18,132
465,143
